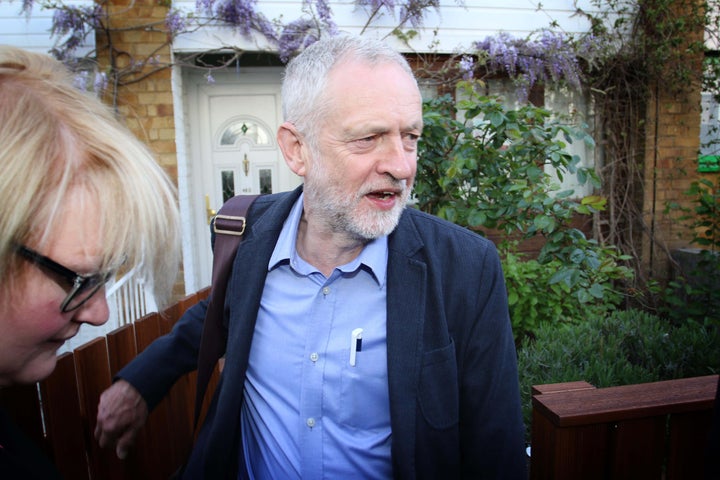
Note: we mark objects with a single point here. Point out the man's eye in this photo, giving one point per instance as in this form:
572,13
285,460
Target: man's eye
411,139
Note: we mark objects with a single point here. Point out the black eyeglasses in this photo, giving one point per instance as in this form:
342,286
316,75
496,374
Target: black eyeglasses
82,286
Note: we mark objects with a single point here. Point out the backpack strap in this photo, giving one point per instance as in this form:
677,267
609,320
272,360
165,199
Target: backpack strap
228,226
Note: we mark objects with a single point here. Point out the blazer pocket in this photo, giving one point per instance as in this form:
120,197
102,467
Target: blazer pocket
438,393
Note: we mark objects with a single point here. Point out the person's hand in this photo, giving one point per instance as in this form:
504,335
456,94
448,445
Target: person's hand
122,412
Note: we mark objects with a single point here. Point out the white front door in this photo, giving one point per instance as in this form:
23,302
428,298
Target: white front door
232,126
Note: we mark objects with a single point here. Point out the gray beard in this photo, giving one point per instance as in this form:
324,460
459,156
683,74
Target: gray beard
340,214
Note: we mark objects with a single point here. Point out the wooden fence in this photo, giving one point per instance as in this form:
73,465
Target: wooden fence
60,412
646,431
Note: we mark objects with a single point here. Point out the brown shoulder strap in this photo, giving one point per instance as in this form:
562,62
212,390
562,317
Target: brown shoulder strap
229,227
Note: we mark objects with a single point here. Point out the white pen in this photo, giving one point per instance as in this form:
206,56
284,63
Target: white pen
355,345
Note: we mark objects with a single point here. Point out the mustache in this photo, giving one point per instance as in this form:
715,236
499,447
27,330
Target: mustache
391,185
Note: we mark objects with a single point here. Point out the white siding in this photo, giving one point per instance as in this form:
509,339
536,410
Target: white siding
457,25
31,32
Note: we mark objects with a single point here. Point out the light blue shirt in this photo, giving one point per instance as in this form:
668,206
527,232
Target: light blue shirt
308,413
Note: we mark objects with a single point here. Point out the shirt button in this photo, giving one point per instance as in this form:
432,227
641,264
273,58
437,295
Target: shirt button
326,290
314,357
310,422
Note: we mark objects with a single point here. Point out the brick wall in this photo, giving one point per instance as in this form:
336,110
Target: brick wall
672,143
144,98
671,159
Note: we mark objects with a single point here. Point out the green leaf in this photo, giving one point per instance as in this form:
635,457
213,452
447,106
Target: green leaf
577,256
477,218
495,118
597,291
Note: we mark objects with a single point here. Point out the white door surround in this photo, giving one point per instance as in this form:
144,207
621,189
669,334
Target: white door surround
230,149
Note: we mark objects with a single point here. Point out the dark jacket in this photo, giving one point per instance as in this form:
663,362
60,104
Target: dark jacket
20,458
452,370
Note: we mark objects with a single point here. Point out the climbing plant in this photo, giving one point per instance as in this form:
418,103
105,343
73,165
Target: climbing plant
74,24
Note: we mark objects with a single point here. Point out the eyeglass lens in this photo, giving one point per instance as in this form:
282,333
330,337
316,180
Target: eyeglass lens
83,290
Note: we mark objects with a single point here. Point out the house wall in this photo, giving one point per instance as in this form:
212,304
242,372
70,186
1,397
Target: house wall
457,24
148,109
671,154
31,32
145,101
672,144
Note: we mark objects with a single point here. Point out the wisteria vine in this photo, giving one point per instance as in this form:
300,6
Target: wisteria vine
546,57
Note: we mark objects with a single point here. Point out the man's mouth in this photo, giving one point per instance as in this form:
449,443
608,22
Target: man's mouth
382,195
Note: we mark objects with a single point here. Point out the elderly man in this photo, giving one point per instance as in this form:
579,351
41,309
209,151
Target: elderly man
432,389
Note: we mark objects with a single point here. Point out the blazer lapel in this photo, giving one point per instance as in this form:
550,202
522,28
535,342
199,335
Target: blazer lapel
405,320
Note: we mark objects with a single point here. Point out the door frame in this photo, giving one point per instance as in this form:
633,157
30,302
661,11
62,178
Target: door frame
187,85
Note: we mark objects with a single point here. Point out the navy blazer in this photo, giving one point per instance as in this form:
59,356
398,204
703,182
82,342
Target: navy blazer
452,369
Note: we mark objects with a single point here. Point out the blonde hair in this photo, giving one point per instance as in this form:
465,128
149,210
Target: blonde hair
56,138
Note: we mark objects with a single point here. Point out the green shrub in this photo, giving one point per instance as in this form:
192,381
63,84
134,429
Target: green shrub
625,347
534,299
694,295
482,166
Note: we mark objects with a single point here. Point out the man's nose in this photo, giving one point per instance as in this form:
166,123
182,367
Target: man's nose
398,160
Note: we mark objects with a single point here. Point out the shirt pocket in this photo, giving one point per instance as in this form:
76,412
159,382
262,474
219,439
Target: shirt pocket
364,392
438,392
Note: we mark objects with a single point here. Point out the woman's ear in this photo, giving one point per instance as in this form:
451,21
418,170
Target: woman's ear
292,147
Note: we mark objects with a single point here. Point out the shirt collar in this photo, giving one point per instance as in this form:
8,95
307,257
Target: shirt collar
373,256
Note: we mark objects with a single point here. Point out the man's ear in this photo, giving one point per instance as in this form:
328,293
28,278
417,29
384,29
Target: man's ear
292,147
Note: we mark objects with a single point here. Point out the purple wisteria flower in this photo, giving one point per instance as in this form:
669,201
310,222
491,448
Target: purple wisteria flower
267,29
324,13
100,83
205,6
75,23
589,47
413,11
175,22
467,66
296,36
389,5
27,6
66,20
239,13
551,57
80,80
502,52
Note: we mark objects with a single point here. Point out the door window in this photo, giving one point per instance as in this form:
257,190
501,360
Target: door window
245,129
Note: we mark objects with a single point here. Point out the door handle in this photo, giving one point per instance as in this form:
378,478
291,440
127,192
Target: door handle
209,211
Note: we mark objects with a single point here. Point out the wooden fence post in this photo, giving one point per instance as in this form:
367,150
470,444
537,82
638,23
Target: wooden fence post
621,432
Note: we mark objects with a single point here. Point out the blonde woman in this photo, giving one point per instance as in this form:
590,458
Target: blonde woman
80,199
